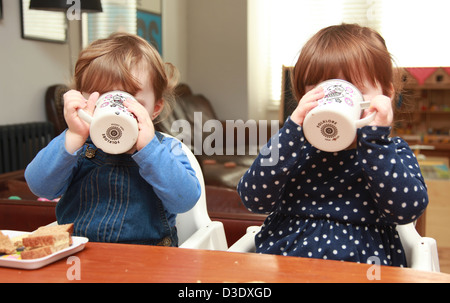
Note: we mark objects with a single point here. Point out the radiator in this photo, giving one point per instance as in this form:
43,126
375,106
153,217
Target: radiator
19,143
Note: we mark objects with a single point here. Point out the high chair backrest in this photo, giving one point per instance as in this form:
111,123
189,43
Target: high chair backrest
189,222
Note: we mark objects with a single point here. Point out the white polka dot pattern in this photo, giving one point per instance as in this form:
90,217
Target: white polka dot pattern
342,205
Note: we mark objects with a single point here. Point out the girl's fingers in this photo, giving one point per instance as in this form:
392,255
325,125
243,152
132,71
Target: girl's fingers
381,105
306,104
92,101
313,95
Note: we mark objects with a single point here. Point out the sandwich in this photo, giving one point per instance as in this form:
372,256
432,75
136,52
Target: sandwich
6,245
46,240
43,245
53,229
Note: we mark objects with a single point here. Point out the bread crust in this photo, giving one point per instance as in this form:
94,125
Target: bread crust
33,241
54,229
36,253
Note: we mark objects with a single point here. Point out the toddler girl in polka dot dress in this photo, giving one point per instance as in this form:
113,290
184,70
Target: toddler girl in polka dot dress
337,205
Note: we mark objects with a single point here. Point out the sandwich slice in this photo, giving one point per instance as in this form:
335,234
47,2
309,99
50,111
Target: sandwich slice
6,245
51,229
38,246
46,240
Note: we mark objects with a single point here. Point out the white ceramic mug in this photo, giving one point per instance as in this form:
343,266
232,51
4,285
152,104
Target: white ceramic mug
113,128
331,126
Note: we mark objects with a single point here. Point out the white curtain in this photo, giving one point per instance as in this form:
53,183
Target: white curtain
415,30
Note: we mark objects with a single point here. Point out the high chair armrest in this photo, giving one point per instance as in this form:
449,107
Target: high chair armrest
421,252
246,244
210,236
425,256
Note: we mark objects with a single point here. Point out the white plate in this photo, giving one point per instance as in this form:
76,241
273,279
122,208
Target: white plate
13,261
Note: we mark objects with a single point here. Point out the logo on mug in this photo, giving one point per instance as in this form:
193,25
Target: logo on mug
328,129
113,134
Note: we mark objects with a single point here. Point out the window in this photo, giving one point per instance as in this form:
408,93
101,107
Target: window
413,30
132,16
293,22
118,15
43,25
416,32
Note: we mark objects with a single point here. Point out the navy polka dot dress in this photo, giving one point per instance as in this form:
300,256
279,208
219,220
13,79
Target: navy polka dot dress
340,206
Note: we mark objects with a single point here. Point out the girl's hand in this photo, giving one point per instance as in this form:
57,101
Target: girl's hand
383,107
78,130
307,103
145,123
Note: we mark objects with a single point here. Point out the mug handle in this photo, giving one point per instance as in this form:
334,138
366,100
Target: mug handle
365,121
84,116
364,104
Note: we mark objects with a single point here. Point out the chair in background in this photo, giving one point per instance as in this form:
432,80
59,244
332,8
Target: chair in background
54,106
421,252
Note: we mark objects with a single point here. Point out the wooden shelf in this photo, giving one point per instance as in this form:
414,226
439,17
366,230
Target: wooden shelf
422,116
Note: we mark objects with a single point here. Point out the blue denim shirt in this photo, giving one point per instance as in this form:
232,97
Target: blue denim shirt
117,198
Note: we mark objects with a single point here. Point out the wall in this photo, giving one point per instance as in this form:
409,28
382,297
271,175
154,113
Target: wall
217,52
258,61
175,35
27,68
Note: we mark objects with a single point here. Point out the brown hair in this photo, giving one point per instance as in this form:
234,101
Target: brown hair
109,63
355,52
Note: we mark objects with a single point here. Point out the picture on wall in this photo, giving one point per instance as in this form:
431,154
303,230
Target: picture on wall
1,9
149,22
49,26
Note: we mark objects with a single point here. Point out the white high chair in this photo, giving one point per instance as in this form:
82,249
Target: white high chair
421,252
195,229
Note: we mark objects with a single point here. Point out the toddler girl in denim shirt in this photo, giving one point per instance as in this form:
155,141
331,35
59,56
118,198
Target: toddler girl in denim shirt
127,198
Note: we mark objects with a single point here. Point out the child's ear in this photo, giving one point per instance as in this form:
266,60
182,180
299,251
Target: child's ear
159,106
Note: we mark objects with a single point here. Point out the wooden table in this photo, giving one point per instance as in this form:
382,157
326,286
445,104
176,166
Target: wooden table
101,262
